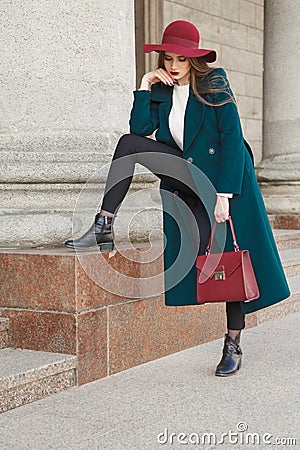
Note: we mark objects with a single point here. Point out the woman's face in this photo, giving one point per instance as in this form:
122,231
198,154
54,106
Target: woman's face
178,67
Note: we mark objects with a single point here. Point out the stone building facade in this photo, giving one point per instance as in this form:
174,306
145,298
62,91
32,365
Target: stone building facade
235,29
67,78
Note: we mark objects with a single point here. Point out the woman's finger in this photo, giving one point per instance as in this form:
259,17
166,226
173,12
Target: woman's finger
220,214
164,76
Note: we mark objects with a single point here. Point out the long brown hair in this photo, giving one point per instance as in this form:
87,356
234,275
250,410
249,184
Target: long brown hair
203,85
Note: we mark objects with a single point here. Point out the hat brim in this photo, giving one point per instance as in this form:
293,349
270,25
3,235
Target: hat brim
208,55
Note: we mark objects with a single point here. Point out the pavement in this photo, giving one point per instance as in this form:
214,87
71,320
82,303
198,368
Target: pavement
177,402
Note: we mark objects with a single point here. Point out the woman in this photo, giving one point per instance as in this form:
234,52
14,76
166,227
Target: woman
198,132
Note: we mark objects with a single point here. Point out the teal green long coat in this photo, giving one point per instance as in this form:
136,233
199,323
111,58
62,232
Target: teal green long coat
213,143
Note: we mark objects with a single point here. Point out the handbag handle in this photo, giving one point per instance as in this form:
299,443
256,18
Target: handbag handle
235,244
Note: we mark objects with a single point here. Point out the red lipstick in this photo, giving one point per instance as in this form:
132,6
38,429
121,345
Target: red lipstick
174,73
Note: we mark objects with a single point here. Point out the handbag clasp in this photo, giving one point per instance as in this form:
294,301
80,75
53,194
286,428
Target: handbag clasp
220,275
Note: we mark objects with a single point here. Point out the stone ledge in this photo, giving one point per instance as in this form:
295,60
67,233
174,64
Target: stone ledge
286,239
27,393
27,375
53,293
285,221
291,261
20,367
282,205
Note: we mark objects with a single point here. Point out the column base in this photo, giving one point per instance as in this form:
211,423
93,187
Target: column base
43,215
45,197
279,182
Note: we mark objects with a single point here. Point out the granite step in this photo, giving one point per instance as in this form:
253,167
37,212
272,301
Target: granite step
284,221
28,375
287,239
294,284
290,261
4,332
288,306
294,299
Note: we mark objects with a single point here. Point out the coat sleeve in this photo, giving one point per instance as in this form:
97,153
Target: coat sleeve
232,149
144,114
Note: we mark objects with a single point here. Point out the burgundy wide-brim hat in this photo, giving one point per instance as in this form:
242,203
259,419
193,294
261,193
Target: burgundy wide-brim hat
183,38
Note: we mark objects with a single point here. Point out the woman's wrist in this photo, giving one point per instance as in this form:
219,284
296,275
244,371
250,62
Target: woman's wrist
145,85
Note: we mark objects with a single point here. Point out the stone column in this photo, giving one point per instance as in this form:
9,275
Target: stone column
149,17
67,76
279,170
154,19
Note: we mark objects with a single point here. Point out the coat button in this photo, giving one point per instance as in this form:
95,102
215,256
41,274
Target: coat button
175,192
211,151
190,159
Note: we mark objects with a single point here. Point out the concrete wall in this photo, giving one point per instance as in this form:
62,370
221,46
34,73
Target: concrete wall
235,29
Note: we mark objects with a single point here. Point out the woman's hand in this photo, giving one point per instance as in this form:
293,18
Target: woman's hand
221,209
154,77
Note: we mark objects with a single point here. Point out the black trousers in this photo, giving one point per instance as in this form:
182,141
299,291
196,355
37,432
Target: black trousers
153,155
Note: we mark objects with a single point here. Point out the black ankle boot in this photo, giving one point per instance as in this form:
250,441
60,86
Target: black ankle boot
232,357
100,235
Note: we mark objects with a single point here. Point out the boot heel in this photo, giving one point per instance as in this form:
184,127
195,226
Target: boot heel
106,246
231,360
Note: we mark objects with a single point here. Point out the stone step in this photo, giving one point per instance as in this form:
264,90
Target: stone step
291,261
292,304
284,220
287,239
4,330
28,375
288,306
294,283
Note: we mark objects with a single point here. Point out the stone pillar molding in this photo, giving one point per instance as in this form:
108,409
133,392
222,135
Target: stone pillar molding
279,170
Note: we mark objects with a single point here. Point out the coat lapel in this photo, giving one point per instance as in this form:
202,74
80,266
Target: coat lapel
194,115
193,118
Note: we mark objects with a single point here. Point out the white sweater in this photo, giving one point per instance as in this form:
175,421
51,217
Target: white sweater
176,117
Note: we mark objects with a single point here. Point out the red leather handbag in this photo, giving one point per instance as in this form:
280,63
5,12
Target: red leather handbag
225,277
